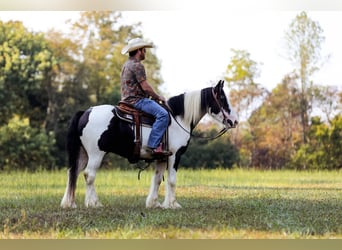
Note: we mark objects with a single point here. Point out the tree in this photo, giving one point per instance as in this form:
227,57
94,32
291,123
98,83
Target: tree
240,75
66,90
325,148
327,101
101,36
24,60
210,154
275,138
304,38
244,95
24,147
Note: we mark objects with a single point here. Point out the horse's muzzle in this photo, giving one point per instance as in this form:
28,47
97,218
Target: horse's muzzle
231,122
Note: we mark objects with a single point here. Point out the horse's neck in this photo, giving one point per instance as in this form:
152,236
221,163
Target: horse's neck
189,108
193,110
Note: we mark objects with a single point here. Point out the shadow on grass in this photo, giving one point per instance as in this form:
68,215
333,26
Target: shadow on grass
256,213
279,188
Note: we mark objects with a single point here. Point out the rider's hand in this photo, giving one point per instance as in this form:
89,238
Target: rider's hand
162,99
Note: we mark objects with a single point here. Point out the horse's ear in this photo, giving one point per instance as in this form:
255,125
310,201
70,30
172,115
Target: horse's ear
219,86
222,83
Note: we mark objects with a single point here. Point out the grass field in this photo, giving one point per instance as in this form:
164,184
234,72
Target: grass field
216,204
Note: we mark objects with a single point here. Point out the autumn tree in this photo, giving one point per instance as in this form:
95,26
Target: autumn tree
244,94
240,75
276,125
303,42
327,101
66,90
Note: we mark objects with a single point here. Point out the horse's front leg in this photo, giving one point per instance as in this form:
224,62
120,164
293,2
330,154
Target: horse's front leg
170,195
152,198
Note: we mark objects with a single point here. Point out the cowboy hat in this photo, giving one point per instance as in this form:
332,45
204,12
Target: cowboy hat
134,44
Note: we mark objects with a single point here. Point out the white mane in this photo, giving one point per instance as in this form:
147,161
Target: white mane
192,107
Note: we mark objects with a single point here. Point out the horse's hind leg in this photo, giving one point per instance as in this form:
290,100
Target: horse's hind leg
152,198
94,162
69,195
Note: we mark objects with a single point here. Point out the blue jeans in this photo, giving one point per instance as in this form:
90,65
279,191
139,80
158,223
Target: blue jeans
161,123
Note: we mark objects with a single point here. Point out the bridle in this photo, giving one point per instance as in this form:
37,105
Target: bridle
220,133
225,118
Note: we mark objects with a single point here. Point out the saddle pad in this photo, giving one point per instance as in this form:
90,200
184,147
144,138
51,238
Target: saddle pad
145,119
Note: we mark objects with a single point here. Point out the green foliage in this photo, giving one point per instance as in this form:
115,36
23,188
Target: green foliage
325,148
24,147
24,60
201,153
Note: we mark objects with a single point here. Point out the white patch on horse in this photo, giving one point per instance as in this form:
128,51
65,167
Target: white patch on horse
99,120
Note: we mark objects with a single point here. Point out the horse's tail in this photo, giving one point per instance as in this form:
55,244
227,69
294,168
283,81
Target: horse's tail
73,147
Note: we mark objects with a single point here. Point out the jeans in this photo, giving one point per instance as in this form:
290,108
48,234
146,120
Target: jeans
161,123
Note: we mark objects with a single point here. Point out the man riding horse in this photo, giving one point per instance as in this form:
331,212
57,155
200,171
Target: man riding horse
136,91
100,130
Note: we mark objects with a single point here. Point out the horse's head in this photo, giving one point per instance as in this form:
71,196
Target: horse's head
219,107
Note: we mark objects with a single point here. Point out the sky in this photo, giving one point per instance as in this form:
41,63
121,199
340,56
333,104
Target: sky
194,47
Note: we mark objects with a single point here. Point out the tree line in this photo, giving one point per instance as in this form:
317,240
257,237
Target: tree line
46,77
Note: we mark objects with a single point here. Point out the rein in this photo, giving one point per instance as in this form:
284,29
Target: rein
219,134
223,131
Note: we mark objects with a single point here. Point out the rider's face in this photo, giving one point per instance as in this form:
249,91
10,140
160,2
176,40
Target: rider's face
142,53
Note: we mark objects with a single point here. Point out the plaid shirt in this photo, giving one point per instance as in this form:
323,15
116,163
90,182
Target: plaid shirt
132,74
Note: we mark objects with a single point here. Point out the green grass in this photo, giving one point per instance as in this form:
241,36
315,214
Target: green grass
216,204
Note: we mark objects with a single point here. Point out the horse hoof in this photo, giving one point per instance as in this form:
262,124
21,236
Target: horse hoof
171,205
154,205
64,206
93,204
65,203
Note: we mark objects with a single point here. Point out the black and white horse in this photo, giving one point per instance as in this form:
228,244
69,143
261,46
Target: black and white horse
98,130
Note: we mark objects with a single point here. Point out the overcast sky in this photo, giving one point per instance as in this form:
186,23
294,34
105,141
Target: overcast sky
194,47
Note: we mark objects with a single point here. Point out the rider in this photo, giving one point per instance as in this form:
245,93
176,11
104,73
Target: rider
137,91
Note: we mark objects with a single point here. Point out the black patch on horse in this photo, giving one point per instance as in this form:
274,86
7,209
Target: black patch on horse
118,138
176,104
207,100
83,120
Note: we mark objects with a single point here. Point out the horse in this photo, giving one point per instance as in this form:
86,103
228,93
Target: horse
97,131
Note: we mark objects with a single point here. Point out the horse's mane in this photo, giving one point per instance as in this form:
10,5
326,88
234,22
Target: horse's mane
189,102
192,104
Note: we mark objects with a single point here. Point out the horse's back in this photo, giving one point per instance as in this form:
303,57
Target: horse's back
101,113
94,122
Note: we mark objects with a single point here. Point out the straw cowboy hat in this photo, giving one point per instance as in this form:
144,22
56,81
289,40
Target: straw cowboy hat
134,44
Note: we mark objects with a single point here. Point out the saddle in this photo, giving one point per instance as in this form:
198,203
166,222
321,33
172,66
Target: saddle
127,112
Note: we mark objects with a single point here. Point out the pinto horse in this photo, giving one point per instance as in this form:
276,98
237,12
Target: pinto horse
99,130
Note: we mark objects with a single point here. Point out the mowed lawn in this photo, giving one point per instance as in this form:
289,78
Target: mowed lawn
217,204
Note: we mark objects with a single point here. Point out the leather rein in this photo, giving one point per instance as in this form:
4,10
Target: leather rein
219,134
